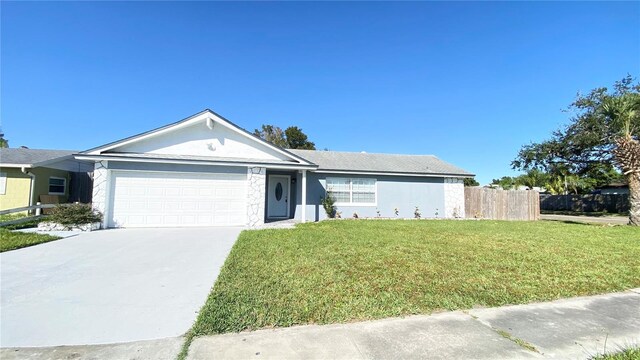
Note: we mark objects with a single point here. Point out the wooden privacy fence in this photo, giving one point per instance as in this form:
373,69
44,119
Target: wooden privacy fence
495,204
612,203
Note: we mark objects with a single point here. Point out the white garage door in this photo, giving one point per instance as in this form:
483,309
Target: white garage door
153,199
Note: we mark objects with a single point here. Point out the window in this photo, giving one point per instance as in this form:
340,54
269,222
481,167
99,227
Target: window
3,183
352,191
57,185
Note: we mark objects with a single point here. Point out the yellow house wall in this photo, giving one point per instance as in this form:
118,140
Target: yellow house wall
19,185
17,191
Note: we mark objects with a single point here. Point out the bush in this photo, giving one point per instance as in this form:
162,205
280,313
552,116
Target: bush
328,205
74,214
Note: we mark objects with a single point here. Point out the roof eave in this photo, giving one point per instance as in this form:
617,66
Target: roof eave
195,162
393,173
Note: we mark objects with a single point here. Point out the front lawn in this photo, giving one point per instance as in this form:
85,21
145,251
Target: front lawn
340,271
11,240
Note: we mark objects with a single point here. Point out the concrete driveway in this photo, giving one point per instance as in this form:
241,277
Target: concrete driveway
109,286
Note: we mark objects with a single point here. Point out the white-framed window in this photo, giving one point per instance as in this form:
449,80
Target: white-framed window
352,191
57,185
3,183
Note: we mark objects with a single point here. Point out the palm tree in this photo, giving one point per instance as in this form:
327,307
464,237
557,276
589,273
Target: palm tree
624,113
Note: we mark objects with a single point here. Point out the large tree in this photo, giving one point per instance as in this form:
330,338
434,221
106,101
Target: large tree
272,134
291,138
603,133
297,139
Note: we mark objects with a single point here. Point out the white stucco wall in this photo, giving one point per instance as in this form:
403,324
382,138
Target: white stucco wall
199,140
256,183
454,198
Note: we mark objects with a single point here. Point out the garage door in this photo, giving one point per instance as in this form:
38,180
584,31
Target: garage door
153,199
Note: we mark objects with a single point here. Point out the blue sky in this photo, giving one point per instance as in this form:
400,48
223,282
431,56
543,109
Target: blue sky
467,81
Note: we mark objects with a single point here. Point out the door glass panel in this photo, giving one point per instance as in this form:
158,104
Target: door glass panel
278,191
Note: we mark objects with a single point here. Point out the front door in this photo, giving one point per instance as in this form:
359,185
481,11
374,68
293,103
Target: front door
278,196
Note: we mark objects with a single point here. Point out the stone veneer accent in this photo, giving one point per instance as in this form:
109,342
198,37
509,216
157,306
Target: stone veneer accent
256,183
99,197
453,198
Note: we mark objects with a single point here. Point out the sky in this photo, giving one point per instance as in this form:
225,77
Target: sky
469,82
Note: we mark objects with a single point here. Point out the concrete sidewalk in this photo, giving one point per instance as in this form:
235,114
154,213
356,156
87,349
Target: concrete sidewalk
603,220
575,328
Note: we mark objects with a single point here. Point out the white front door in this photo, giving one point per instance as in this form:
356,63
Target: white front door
278,196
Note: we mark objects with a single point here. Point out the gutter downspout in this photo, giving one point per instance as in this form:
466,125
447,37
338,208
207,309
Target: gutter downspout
33,183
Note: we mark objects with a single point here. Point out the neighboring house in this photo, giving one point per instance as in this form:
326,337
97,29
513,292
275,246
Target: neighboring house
205,170
28,174
614,188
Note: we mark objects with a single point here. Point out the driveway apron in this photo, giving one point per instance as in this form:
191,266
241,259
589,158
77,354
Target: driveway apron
109,286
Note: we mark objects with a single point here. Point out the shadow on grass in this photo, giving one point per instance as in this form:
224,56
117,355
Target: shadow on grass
574,222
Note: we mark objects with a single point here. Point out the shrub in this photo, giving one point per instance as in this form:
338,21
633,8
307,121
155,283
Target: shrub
328,205
74,214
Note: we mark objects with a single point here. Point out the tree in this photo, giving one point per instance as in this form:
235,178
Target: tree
272,134
4,143
533,178
471,182
291,138
296,139
603,133
506,182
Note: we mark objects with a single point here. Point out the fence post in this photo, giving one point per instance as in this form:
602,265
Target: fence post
38,210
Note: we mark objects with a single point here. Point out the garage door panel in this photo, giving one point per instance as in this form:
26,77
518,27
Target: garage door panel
149,199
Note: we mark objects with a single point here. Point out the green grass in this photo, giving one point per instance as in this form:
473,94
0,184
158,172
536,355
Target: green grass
341,271
627,354
11,240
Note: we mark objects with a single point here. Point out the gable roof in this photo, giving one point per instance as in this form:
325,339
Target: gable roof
205,114
29,158
354,162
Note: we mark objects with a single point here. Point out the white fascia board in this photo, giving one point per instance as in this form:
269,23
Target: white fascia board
26,166
390,173
194,162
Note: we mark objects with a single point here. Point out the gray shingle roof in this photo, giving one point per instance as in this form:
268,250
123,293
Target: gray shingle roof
19,156
384,163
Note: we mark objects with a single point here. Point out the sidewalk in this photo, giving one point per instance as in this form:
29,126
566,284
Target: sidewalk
604,220
575,328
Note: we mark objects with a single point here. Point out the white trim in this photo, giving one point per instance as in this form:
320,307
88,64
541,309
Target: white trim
3,183
288,196
108,200
304,196
347,172
26,166
195,162
64,185
351,203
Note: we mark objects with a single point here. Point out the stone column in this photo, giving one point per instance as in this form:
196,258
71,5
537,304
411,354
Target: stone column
99,195
454,198
256,185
